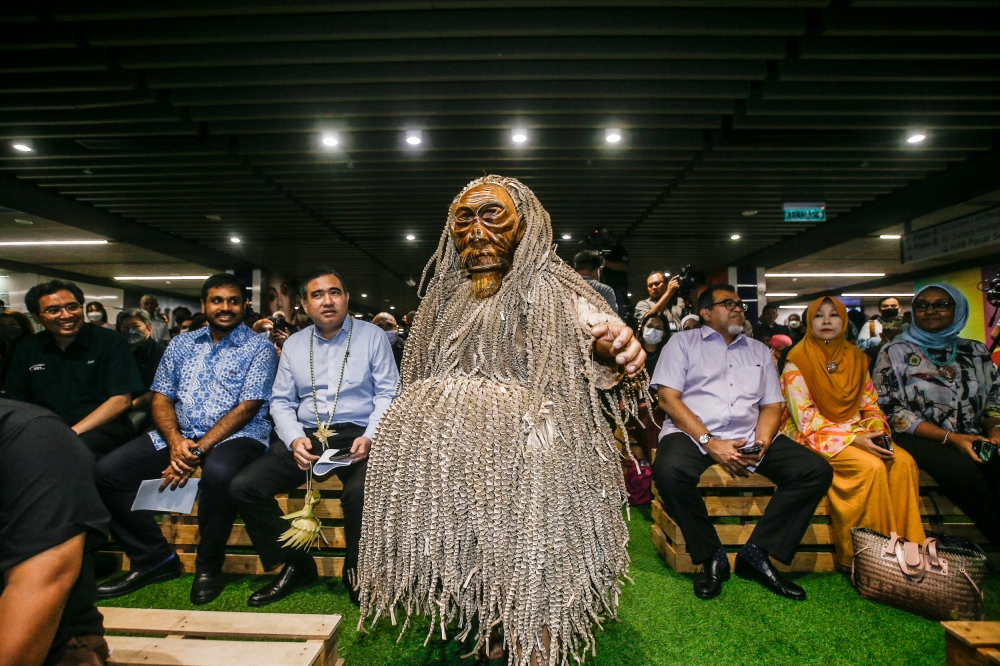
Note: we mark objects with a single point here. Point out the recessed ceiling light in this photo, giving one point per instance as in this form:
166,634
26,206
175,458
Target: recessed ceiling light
519,136
916,136
357,316
890,236
566,236
410,237
392,307
749,213
735,237
414,137
161,277
20,221
877,295
234,239
779,294
23,146
613,135
214,218
629,294
89,172
364,295
798,275
330,139
66,242
793,307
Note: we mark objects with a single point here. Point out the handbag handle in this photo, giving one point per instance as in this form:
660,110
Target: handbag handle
901,557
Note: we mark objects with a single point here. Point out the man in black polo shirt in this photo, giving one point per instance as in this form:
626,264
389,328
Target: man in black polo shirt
83,373
51,517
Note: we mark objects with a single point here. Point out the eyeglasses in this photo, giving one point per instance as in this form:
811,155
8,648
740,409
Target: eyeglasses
54,311
937,306
731,305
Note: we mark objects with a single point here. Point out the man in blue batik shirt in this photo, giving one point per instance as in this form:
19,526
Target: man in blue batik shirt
210,399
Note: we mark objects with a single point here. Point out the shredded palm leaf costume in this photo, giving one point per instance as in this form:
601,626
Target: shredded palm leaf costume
494,489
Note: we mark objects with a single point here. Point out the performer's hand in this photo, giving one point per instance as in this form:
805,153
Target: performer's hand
301,448
724,452
617,341
360,448
181,459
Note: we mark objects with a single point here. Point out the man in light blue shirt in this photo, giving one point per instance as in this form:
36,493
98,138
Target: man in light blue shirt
334,381
210,409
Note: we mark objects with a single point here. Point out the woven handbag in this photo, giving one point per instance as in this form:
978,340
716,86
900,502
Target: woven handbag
940,583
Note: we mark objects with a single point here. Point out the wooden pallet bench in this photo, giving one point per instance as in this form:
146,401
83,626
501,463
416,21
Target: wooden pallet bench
181,532
972,643
745,498
154,637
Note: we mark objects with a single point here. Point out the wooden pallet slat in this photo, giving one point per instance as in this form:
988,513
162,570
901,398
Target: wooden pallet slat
173,652
972,643
204,624
187,534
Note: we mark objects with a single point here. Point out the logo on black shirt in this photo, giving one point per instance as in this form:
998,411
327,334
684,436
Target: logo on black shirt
39,366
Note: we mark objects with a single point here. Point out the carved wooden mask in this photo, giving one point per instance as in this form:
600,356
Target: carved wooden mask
486,231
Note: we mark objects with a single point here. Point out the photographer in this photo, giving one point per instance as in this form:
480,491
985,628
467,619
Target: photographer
663,299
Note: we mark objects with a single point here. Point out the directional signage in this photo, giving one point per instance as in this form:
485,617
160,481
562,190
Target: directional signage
805,212
966,233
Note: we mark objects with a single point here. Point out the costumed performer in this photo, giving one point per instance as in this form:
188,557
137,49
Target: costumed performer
494,490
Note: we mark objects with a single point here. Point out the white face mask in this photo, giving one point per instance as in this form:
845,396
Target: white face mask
391,335
652,335
795,323
94,316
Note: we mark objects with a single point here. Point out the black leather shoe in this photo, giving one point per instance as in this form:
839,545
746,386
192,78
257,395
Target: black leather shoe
136,580
292,577
770,578
708,583
206,587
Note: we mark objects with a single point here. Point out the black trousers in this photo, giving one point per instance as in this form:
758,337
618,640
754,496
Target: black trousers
255,487
120,473
801,475
973,487
104,439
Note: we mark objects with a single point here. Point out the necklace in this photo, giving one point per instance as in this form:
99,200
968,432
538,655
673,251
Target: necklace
944,367
323,430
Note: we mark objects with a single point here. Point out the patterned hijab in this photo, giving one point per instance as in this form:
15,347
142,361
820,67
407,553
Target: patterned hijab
837,393
941,339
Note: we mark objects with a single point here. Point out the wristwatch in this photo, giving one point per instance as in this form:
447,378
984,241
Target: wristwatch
704,439
197,452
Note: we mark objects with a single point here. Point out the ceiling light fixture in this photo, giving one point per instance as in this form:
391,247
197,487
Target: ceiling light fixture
20,221
357,316
214,218
876,295
798,275
66,242
330,139
793,307
519,136
749,213
161,277
23,146
890,236
364,295
613,135
916,136
566,237
413,137
410,237
781,294
392,307
735,237
234,239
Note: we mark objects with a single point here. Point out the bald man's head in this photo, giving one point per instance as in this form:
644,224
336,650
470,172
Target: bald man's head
385,321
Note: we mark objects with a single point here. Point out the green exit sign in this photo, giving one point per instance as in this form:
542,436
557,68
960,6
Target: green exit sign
805,212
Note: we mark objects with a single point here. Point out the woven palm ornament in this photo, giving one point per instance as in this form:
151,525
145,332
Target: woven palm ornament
494,490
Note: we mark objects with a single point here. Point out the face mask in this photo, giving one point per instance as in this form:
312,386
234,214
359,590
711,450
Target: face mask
794,323
392,336
94,316
652,335
135,336
890,313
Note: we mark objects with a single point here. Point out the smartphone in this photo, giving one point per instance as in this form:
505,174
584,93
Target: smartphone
750,449
883,442
986,450
279,324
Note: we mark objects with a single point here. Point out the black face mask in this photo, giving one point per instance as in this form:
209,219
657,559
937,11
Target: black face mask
890,313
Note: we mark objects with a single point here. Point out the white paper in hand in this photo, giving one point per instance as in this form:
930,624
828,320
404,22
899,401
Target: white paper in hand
331,460
180,500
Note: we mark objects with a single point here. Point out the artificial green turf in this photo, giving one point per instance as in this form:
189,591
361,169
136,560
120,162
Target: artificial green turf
661,621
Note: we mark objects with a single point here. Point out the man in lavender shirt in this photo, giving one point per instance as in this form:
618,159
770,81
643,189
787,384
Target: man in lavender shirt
720,391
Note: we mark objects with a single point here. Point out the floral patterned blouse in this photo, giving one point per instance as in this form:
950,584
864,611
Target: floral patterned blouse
956,396
803,422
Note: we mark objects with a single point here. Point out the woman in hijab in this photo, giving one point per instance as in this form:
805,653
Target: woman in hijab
831,407
654,331
941,395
